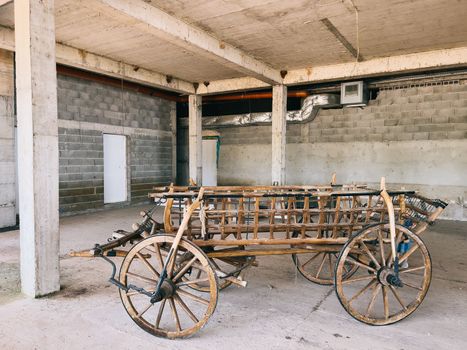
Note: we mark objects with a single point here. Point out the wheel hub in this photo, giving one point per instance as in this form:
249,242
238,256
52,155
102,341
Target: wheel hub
166,291
388,277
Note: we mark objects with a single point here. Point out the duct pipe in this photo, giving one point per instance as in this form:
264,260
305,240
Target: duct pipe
311,105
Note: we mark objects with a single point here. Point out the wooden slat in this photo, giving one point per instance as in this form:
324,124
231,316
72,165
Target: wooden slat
256,222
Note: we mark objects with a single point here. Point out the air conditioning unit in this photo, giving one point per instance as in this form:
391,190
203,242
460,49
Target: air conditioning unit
354,94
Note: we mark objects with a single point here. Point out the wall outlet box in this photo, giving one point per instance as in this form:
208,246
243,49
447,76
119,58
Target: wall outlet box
354,94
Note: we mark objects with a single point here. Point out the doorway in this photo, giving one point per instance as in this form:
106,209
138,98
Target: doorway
115,169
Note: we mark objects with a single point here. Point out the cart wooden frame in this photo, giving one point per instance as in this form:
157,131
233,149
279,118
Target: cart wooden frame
364,241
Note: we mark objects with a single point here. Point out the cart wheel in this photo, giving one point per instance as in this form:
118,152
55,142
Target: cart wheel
181,312
229,265
375,295
319,267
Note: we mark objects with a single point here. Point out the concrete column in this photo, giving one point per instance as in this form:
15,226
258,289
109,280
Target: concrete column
195,143
36,88
279,114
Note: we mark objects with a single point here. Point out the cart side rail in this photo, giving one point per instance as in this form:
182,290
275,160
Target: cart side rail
260,215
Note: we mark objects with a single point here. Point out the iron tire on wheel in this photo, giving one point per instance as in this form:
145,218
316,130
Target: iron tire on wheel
141,267
380,302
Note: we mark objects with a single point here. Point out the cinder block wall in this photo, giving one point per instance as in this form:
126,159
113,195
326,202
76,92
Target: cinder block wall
7,142
86,111
415,136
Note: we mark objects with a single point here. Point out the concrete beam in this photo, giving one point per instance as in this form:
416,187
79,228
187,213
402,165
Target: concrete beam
195,141
341,38
99,64
167,27
36,93
5,2
279,126
420,61
7,39
231,85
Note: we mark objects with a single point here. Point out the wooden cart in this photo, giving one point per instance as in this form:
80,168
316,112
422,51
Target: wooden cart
364,241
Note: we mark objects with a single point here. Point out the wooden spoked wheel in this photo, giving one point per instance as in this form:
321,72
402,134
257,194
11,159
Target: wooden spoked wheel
319,266
373,295
182,311
223,266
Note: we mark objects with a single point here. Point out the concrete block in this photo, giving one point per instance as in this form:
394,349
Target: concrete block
460,112
425,90
7,216
425,105
391,122
452,96
415,99
423,120
458,119
438,135
114,107
446,112
375,137
443,104
436,127
404,137
411,128
459,103
72,109
339,138
421,136
459,134
440,119
410,107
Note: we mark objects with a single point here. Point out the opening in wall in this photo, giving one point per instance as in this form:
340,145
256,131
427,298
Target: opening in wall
115,169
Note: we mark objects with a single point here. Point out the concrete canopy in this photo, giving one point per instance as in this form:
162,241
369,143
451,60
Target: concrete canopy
259,39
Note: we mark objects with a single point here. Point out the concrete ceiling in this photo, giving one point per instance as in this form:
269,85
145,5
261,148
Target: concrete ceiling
290,35
283,34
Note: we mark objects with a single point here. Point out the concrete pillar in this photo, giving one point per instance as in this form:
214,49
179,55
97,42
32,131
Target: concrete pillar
279,114
195,143
36,88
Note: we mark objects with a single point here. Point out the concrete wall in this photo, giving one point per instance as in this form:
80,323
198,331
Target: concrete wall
7,142
86,110
415,136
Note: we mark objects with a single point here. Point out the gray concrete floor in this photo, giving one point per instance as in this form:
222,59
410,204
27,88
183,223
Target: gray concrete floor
278,309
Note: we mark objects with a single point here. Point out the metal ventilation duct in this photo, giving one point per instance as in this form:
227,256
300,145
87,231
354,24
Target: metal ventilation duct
311,105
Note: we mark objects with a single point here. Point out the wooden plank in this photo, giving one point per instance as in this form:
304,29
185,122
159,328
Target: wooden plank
241,218
256,219
291,241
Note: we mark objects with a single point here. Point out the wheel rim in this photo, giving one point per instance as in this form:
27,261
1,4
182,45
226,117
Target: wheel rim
369,296
182,311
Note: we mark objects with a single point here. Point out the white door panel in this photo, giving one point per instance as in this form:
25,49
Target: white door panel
209,162
115,168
